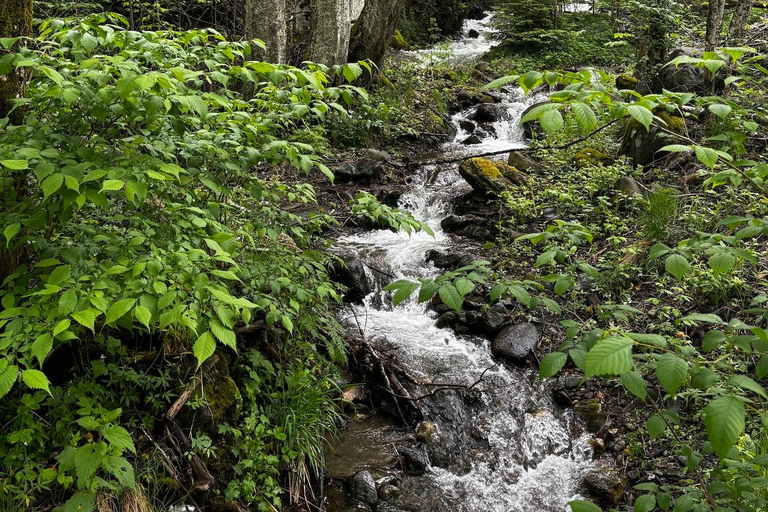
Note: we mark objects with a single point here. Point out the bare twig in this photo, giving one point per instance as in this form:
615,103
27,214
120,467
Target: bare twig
444,387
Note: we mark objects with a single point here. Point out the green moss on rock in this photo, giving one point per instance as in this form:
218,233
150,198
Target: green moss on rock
490,177
589,157
626,82
399,42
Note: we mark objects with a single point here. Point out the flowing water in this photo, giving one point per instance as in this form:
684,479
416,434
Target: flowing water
503,446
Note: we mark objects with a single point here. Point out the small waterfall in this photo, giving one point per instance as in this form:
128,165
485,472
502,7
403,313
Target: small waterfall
503,446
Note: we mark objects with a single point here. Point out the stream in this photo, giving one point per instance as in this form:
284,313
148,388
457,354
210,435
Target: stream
501,446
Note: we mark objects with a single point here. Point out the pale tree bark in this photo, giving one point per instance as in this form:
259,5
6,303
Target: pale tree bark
373,31
331,32
714,24
265,20
739,20
15,21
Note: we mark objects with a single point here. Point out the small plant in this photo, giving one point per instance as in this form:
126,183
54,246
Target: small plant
659,214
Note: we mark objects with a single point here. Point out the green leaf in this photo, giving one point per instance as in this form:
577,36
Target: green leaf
645,503
684,503
41,347
119,437
707,156
652,339
87,317
8,376
671,371
722,261
118,309
702,317
450,296
81,501
635,384
36,380
584,506
143,315
551,121
641,114
67,302
676,148
657,251
712,340
720,110
677,265
656,426
551,364
744,382
15,165
204,347
224,335
704,378
544,258
724,420
112,185
404,290
88,459
9,232
464,286
122,470
585,116
610,356
51,184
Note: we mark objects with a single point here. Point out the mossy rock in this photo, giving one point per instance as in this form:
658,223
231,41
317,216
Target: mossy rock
589,157
221,395
626,82
641,145
399,42
489,177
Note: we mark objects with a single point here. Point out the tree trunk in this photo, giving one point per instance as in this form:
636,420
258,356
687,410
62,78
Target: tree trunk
739,20
265,20
373,31
714,24
331,32
15,21
652,51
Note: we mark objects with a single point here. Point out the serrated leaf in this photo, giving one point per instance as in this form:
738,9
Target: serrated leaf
720,110
656,426
671,372
702,317
544,258
610,356
722,261
143,315
86,317
119,437
724,420
551,364
404,290
41,347
744,382
635,384
224,335
428,290
204,347
67,302
81,501
112,185
118,309
645,503
712,340
676,148
584,506
51,184
35,379
551,121
87,460
450,296
707,156
652,339
684,503
657,251
122,470
704,378
585,116
464,286
677,265
641,114
8,377
15,165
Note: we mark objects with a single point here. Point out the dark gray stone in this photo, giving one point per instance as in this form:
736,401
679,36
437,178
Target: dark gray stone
522,163
467,126
494,318
516,342
489,113
685,77
447,319
605,485
472,140
388,492
415,459
473,34
362,487
628,186
352,275
470,226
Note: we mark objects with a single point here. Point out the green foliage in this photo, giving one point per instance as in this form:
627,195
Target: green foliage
660,213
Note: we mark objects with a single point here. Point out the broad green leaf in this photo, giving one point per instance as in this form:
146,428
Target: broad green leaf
551,364
641,114
10,231
720,110
204,347
112,185
677,265
81,501
645,503
671,372
15,165
41,347
464,286
86,317
88,459
656,426
536,112
684,503
121,469
404,290
722,261
657,251
724,420
450,296
704,378
744,382
51,184
676,148
223,334
551,121
610,356
585,116
707,156
119,437
584,506
143,315
651,339
8,376
35,379
702,317
635,384
118,309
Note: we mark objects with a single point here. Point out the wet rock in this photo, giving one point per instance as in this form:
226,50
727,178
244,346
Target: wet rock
447,319
362,487
351,273
489,113
562,398
684,77
442,260
626,82
466,98
516,342
589,157
354,394
628,186
426,432
467,126
592,412
570,381
489,177
529,127
523,163
494,318
641,145
470,226
415,459
598,446
371,164
473,34
351,172
472,140
483,66
388,492
605,485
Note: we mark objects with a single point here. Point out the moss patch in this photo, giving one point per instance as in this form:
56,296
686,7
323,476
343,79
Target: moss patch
589,157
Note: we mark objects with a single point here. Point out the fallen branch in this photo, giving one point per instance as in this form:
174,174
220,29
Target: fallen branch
444,387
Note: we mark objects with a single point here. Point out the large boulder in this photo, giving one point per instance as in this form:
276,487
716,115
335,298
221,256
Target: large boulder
489,177
351,273
471,226
606,486
522,163
683,77
415,459
641,145
516,342
372,163
362,487
489,113
589,157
